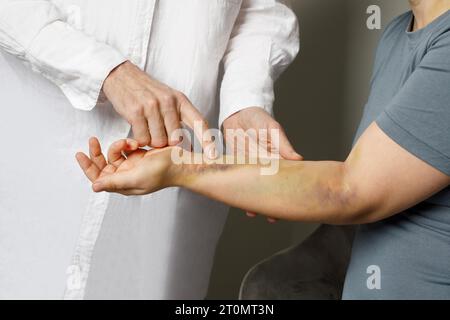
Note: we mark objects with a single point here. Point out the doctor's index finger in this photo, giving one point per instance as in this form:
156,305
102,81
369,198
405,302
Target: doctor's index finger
194,120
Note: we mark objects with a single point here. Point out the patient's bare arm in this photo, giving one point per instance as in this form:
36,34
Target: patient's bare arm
379,179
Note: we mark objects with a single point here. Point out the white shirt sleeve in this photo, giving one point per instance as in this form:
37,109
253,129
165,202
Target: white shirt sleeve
37,33
265,40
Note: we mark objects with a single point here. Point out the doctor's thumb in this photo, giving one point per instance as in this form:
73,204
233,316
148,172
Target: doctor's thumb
286,149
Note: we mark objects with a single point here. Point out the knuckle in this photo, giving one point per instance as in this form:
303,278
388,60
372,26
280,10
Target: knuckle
152,103
136,113
168,99
182,97
159,142
143,140
275,125
169,112
174,124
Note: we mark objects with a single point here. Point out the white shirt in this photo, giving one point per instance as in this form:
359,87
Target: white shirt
57,236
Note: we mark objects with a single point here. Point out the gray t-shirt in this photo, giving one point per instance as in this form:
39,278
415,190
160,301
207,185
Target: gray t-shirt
410,101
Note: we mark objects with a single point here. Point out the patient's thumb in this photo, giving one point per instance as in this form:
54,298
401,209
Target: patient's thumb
117,182
109,184
98,186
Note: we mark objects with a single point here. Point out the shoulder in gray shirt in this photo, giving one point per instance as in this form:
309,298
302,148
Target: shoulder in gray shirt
410,102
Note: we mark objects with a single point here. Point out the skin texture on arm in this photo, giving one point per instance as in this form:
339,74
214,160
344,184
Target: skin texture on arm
379,179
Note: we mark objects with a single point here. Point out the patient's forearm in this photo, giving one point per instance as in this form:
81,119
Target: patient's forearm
303,191
378,179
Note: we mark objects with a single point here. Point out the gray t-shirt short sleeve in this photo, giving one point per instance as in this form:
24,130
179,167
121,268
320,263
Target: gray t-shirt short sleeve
410,102
418,117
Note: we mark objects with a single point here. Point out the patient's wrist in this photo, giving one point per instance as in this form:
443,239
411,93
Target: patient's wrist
183,173
181,168
175,177
186,168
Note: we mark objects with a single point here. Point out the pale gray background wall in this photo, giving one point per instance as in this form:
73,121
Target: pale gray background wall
319,102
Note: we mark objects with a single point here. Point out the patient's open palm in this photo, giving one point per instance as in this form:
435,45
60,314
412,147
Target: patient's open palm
128,170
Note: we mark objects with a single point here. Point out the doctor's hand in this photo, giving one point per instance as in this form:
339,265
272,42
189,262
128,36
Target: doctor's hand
257,118
153,109
128,170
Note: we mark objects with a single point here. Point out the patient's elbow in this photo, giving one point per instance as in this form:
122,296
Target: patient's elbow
365,214
360,207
